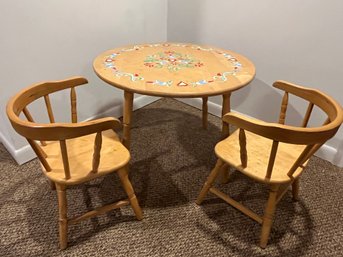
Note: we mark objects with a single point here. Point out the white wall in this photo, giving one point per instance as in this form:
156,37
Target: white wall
52,40
298,41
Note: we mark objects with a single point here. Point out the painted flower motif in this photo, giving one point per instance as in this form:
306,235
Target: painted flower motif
201,82
149,64
173,61
161,83
169,52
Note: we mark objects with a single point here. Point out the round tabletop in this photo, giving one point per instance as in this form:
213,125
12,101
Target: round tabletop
174,69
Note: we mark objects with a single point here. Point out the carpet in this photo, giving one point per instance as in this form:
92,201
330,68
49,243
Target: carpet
171,158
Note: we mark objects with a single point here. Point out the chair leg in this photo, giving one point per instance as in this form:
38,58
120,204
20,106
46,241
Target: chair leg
268,216
124,178
295,189
224,174
210,179
62,210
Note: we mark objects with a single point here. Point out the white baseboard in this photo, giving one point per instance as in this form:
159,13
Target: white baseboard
326,152
25,153
144,100
117,111
213,108
330,153
21,155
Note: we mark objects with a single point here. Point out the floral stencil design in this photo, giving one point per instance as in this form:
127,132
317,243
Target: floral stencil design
173,61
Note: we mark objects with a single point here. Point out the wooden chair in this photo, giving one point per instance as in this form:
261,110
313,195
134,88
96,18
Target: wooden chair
273,153
94,149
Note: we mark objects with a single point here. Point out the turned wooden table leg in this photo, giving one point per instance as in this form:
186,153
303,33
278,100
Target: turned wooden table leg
224,174
204,112
128,105
225,109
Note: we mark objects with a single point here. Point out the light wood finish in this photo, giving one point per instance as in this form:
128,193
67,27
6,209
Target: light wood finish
272,159
65,160
124,178
174,70
268,216
75,152
49,109
300,161
62,213
128,105
210,179
307,115
113,156
283,188
236,204
30,119
96,154
225,109
126,68
295,185
27,114
98,211
283,110
40,154
258,154
243,148
274,153
73,105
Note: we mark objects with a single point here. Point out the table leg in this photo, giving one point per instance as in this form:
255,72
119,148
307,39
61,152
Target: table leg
204,112
128,105
225,109
224,174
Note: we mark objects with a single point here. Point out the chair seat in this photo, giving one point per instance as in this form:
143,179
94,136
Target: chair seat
258,152
80,152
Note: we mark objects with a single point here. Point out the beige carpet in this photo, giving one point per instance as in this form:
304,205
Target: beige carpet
171,157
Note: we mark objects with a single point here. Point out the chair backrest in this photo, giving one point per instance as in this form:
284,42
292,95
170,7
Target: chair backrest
55,131
312,137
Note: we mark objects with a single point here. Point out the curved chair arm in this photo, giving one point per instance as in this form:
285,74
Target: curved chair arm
61,131
325,102
52,131
280,132
29,94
